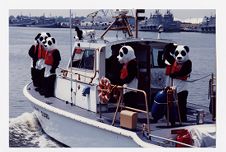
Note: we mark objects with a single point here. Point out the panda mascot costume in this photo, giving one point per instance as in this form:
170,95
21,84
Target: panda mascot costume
178,69
37,54
128,74
52,60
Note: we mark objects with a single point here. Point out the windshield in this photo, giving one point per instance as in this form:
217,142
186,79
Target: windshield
83,58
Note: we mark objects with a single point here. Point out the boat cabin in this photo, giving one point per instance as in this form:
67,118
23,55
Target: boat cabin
91,61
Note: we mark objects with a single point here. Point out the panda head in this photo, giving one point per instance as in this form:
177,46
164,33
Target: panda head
181,54
126,54
49,43
41,37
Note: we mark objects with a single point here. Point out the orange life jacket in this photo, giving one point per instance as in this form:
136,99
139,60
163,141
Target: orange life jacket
176,67
49,57
78,50
41,51
168,69
124,72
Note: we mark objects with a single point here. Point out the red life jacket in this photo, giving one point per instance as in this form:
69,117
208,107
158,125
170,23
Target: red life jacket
41,51
168,69
49,57
176,67
124,72
78,50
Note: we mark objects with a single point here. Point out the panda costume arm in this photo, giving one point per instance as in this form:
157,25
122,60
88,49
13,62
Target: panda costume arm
168,50
56,59
113,69
132,72
185,70
33,54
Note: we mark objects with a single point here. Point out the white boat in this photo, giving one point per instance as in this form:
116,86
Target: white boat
77,118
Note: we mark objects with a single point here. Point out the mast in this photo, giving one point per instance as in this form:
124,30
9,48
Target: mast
71,56
137,18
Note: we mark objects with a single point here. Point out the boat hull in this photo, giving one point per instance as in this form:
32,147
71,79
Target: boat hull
76,131
77,134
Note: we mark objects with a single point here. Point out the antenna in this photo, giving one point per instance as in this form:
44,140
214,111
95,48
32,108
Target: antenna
71,56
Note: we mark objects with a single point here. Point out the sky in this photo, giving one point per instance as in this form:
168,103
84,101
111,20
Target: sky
180,14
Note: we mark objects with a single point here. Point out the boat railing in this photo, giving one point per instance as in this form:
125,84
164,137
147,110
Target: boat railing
120,99
66,71
171,141
64,75
146,128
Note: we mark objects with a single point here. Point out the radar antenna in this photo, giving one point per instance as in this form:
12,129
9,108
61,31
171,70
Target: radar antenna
120,23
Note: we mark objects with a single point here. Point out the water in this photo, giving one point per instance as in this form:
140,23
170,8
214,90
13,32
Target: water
24,129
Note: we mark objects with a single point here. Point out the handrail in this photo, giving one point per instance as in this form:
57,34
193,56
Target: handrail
90,121
75,73
79,74
171,140
135,109
92,84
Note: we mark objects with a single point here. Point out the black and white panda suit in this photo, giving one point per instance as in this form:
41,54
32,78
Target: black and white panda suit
37,54
52,60
128,75
178,69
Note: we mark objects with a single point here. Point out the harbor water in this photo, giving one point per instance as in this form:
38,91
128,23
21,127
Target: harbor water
24,129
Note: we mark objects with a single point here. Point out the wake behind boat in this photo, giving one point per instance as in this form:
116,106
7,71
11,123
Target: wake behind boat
89,102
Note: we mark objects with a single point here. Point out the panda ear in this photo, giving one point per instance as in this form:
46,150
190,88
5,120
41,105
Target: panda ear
186,48
39,34
53,40
48,34
76,28
171,47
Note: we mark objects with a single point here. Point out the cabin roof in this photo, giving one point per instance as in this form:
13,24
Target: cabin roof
99,43
141,40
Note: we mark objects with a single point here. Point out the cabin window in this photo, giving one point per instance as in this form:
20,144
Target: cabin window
157,58
83,58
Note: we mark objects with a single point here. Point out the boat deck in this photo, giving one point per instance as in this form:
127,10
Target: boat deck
159,129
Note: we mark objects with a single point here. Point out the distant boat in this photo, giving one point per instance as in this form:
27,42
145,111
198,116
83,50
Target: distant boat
208,25
50,25
21,21
96,25
155,20
25,21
